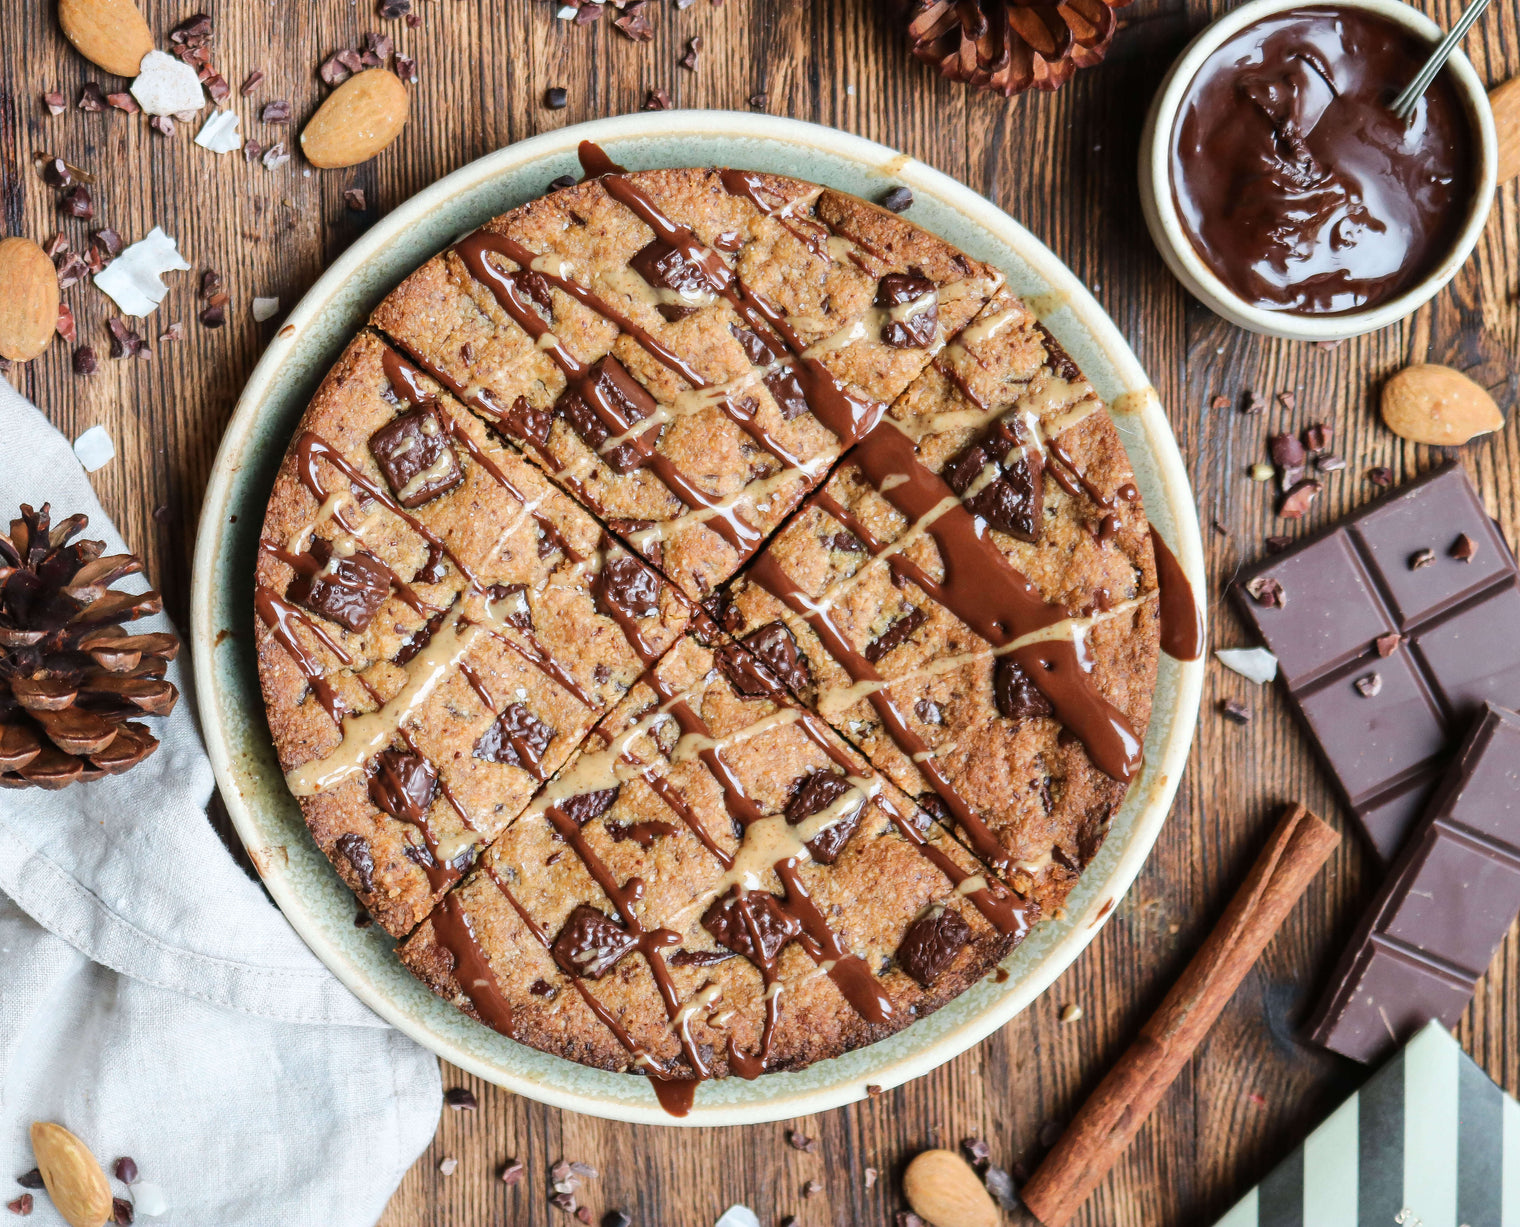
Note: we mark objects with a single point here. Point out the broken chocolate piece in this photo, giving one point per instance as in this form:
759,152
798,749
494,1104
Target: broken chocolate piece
895,634
627,586
931,944
591,944
518,738
912,311
773,643
1015,693
583,807
738,920
403,784
346,589
417,458
749,676
818,792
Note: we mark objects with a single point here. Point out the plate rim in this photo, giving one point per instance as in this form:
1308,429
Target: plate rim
1185,540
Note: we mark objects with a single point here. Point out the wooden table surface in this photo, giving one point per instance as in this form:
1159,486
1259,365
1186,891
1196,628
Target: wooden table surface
1063,165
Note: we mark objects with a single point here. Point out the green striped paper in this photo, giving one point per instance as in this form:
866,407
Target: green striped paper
1430,1141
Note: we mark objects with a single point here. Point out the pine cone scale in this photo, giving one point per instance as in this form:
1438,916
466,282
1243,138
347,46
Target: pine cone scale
71,678
1008,46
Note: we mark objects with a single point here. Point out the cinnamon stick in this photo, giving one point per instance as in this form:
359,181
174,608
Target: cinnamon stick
1109,1120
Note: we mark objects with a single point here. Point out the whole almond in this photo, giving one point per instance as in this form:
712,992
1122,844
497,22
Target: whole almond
78,1188
1438,406
109,33
359,119
942,1187
29,306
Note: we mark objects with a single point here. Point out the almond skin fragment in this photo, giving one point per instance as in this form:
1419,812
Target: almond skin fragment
943,1188
29,306
359,119
1438,406
77,1187
111,34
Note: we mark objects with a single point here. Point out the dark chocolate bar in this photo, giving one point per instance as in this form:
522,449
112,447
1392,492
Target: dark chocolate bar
1391,629
1444,908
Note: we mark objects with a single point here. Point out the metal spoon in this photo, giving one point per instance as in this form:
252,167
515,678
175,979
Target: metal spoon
1403,106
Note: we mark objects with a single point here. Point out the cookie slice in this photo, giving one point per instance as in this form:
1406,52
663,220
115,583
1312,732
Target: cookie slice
716,884
971,600
437,629
686,351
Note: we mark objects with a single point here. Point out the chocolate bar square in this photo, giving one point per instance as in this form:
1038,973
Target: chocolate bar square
416,457
1424,563
348,589
1444,908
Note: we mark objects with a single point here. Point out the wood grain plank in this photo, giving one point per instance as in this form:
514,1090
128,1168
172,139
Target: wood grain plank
1064,166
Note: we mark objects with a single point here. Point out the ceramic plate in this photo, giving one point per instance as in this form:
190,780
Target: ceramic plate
232,714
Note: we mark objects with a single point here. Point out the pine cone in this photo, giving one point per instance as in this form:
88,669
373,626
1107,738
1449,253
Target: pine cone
1008,46
70,677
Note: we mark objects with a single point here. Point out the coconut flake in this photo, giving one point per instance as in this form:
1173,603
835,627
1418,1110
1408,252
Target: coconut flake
167,86
1257,664
738,1216
95,448
148,1198
265,309
220,133
134,280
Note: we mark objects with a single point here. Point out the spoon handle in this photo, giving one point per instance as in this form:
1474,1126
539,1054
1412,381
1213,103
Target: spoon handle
1403,106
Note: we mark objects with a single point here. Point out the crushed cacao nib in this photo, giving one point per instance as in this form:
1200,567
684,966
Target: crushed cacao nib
1380,475
377,49
1464,548
897,199
416,457
31,1180
125,343
591,944
1387,645
403,784
1421,559
895,635
354,200
749,677
162,124
847,542
1295,504
657,99
912,331
542,988
347,591
390,10
773,643
275,111
1277,544
121,1212
536,286
76,202
85,361
586,806
461,1099
355,850
108,240
251,82
725,919
1253,403
634,23
1287,451
931,944
929,711
560,182
556,98
1015,693
1235,711
816,793
55,172
688,60
55,102
1370,686
517,738
1319,437
627,586
405,65
1267,591
91,98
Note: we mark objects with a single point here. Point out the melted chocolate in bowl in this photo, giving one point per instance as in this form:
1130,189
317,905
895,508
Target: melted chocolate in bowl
1297,186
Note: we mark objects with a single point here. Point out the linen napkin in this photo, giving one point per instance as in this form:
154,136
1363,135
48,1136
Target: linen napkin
156,1003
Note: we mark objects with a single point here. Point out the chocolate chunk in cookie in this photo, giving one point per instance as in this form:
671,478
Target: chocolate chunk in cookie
931,944
416,457
750,677
774,644
818,792
895,634
626,586
403,784
348,589
737,921
591,944
583,807
1015,693
912,311
517,738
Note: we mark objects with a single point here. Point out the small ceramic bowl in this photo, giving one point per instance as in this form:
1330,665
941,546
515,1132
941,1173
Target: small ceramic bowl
1160,205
